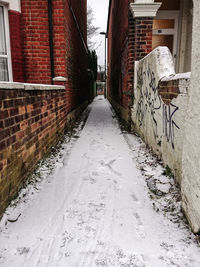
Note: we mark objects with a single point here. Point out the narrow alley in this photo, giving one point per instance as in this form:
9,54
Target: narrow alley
95,209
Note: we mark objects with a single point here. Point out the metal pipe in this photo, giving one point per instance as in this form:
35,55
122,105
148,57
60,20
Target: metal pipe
51,44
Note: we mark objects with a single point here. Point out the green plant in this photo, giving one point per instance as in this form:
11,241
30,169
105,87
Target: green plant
168,172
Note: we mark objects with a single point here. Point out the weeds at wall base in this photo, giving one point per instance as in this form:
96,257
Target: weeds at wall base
168,172
124,125
34,177
162,203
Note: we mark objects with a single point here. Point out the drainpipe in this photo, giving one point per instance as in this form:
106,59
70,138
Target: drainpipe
51,39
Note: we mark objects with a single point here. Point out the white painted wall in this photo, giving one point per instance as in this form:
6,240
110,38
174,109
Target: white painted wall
160,125
185,46
12,4
191,150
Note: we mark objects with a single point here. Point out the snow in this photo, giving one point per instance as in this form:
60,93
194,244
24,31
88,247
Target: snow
102,200
178,76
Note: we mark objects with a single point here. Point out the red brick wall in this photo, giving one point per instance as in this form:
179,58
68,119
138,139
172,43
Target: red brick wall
129,40
120,71
35,29
70,57
59,37
16,46
80,10
30,123
168,90
142,30
76,57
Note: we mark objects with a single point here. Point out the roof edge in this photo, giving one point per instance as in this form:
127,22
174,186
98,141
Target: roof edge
108,21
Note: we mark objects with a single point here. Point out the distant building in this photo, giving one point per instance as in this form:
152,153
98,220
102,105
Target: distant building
100,83
101,76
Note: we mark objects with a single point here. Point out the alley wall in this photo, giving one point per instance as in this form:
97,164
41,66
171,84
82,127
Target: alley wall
32,119
48,83
29,45
120,56
191,149
159,109
69,45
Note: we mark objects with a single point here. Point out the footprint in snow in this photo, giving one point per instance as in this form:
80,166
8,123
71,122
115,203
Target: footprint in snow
139,227
135,199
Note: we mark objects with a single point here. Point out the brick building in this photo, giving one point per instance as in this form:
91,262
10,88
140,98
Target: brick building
134,29
42,40
100,82
120,59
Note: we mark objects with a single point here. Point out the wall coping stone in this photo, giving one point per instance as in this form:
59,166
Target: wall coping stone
59,79
178,76
29,86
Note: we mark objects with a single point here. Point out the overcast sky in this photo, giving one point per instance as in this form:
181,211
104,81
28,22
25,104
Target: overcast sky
100,8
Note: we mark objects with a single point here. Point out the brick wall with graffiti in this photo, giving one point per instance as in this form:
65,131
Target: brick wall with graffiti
160,105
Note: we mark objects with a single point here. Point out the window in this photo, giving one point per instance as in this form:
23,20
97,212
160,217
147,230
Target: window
5,61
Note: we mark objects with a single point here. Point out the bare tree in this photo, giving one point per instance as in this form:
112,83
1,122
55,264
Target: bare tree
91,29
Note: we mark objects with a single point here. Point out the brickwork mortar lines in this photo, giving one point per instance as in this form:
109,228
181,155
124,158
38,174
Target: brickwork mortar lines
31,123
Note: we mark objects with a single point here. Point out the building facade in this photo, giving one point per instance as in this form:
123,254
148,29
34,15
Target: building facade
42,40
120,55
153,80
133,32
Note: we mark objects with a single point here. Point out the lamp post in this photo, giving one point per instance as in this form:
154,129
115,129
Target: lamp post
104,33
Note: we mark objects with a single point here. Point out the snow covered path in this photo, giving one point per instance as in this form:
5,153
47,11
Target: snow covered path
95,211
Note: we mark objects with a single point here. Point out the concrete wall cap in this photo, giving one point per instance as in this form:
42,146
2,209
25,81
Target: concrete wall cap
45,87
59,79
179,76
161,61
29,86
11,85
143,1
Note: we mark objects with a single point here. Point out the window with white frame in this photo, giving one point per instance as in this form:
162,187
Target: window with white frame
5,61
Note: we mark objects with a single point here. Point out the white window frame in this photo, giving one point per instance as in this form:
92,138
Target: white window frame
7,36
162,14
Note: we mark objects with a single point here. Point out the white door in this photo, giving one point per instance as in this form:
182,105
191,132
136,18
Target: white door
165,31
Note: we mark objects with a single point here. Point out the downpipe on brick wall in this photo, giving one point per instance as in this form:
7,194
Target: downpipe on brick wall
51,44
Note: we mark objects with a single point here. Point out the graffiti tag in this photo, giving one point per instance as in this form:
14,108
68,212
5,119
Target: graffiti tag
169,125
149,101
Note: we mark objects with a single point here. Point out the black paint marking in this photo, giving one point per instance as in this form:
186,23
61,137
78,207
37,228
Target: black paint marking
149,101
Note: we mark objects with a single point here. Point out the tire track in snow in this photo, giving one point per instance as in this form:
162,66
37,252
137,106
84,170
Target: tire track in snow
101,216
89,260
45,248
